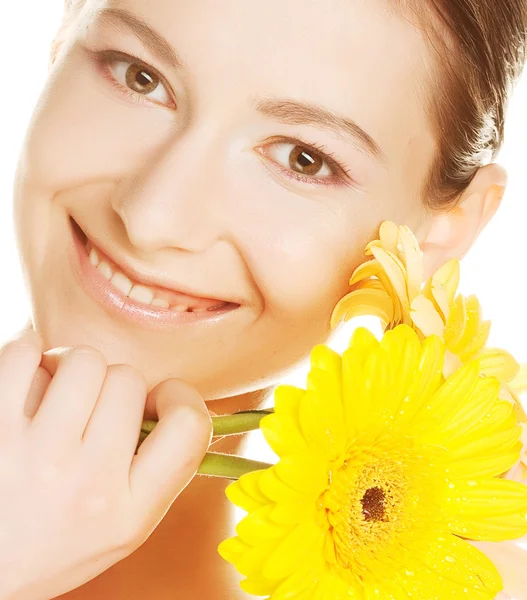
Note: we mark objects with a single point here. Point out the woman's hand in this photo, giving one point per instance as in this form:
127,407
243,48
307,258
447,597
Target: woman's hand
75,498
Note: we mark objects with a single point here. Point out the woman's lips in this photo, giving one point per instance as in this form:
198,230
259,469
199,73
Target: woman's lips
123,307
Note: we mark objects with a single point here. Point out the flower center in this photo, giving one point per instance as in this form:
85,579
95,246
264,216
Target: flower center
375,497
373,504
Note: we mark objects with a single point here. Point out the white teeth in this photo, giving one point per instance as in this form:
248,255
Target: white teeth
160,302
142,294
180,308
137,292
94,258
121,282
105,269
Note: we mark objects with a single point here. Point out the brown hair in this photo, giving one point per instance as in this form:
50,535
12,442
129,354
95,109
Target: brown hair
481,51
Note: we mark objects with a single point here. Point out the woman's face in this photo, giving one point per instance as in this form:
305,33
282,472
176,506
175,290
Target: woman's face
252,168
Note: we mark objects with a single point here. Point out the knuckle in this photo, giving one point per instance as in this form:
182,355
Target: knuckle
22,348
128,537
87,353
128,373
195,419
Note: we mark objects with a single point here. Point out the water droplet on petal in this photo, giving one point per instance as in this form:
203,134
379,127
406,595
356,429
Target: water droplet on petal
450,559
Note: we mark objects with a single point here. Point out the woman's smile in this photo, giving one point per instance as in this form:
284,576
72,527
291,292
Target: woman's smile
138,302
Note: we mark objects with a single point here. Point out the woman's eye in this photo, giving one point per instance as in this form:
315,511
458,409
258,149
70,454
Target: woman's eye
310,165
139,79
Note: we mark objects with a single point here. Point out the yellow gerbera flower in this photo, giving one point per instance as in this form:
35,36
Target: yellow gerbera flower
384,467
390,287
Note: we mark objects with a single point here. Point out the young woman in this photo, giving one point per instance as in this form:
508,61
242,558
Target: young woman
196,186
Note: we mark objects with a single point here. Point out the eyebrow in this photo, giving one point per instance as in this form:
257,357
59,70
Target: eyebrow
302,113
284,110
123,20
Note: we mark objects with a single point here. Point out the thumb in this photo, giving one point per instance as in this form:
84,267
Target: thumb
171,454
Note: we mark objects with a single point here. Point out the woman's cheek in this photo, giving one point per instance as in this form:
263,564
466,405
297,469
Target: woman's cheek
81,129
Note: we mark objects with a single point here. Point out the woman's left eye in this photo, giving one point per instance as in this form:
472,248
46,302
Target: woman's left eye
136,78
306,163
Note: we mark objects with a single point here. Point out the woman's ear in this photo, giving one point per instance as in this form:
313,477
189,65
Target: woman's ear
452,233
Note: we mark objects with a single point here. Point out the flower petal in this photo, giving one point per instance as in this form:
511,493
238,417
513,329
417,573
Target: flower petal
412,258
304,539
443,285
426,317
246,492
283,434
306,472
498,363
471,326
462,564
475,513
395,271
519,383
363,302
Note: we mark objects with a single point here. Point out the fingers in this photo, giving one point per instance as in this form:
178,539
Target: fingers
170,456
19,361
113,429
38,388
70,396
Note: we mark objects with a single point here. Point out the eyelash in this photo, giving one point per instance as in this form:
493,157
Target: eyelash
341,172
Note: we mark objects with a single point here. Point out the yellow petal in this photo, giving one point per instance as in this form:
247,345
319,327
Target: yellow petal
519,383
370,268
395,271
323,357
478,342
257,528
471,327
257,585
475,512
462,564
363,302
322,417
426,317
404,349
306,473
389,236
412,258
443,286
498,442
470,410
455,326
283,434
279,491
445,402
483,466
427,379
246,492
304,539
287,399
498,363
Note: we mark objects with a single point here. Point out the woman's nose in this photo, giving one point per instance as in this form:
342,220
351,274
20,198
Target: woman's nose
172,200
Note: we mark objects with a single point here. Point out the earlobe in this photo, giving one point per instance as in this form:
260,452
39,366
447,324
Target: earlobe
452,233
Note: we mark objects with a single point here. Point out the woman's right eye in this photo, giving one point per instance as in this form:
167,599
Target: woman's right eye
135,79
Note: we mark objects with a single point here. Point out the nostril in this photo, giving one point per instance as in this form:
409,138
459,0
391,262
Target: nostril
78,231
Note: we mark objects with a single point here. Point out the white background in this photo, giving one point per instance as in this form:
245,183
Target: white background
495,269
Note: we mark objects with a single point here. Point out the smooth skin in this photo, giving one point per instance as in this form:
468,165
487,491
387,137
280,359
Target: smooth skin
192,182
77,496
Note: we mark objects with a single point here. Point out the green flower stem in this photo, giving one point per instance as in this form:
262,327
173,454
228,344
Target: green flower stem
228,466
240,422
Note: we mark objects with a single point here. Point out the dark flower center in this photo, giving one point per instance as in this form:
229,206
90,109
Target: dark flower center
373,504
